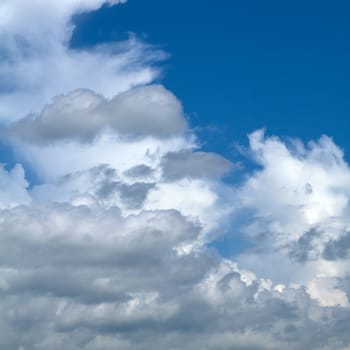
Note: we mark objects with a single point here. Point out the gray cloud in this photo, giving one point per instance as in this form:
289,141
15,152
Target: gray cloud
135,195
82,115
94,280
177,165
303,248
338,249
101,183
141,171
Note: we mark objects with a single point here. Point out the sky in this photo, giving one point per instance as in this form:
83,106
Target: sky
242,65
174,175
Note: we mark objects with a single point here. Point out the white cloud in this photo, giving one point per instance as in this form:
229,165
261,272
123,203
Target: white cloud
121,153
300,204
297,188
37,63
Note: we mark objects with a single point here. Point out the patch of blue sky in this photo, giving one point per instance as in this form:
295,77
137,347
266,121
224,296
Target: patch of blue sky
234,241
242,65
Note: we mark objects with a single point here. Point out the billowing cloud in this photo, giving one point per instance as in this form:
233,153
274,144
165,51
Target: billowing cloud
117,258
109,247
299,202
37,63
305,186
82,115
91,279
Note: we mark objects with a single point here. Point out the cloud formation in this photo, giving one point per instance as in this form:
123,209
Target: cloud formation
109,247
37,63
82,115
299,202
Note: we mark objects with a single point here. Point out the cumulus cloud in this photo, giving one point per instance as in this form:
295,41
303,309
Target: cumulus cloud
112,256
82,115
37,63
92,279
299,201
305,186
108,248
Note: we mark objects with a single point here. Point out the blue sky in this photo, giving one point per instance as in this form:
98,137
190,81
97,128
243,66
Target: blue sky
172,175
242,65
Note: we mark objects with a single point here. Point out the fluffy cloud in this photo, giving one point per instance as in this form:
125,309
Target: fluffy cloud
108,248
83,115
305,186
91,279
103,257
299,202
37,63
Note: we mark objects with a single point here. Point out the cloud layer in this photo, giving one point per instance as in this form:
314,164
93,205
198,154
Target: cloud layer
110,247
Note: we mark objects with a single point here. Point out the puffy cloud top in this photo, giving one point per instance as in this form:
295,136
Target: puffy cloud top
82,115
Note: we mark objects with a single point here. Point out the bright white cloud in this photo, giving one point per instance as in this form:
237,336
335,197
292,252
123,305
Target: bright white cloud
300,204
36,62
